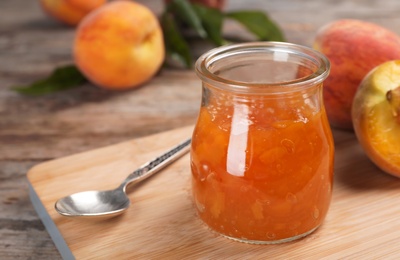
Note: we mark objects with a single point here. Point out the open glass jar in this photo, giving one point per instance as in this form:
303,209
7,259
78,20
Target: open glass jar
262,149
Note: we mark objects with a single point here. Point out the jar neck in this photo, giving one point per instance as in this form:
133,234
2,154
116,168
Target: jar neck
297,107
212,92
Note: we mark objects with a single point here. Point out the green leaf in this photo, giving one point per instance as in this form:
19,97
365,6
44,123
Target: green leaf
259,24
176,46
211,19
186,13
61,79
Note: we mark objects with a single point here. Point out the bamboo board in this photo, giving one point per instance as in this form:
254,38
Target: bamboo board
363,221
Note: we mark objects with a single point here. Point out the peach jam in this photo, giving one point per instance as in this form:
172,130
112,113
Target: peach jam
262,150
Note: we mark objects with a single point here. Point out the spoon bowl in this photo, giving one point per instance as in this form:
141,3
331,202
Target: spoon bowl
110,203
93,203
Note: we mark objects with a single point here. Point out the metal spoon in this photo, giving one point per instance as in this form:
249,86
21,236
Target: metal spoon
110,203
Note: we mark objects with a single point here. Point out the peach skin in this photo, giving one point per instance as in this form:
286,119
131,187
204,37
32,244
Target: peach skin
354,48
70,12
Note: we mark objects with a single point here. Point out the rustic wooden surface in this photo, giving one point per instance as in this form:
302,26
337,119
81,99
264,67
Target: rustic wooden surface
33,130
161,223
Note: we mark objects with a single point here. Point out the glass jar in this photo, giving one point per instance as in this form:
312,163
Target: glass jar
262,150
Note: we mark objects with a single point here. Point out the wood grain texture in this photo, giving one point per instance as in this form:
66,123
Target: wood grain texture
33,130
161,223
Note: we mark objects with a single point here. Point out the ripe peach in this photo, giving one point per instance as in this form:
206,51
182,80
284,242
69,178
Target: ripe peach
354,48
119,45
70,12
376,116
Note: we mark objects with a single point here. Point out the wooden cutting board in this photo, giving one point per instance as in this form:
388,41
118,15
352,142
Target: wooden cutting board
363,221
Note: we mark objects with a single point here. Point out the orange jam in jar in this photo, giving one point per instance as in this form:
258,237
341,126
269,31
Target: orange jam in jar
262,149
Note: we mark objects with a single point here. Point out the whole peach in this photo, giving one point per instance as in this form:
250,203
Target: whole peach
119,45
354,48
70,12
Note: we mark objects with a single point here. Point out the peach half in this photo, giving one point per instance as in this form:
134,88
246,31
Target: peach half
376,116
119,45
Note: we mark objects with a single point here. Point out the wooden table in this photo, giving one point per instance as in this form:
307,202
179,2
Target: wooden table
36,129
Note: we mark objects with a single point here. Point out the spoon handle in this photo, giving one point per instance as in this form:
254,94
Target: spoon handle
153,166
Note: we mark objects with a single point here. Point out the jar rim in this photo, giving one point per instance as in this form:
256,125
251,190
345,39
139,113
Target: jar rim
205,61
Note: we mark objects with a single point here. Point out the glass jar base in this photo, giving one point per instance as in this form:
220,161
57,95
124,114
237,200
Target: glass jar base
270,242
